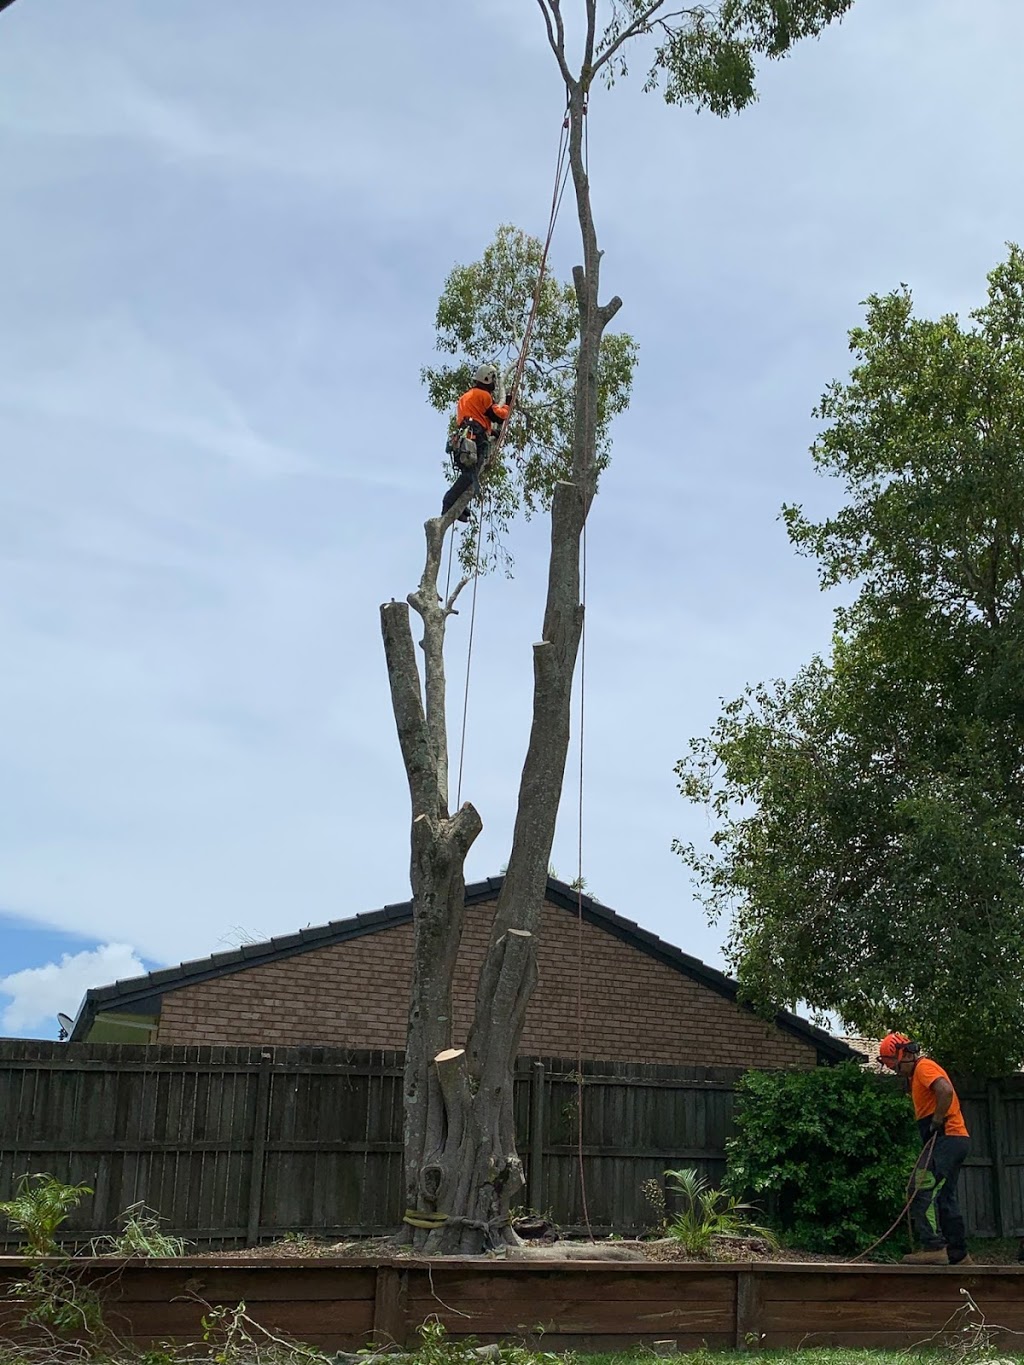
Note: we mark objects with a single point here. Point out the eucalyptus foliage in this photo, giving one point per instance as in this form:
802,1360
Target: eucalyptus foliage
482,315
869,839
705,54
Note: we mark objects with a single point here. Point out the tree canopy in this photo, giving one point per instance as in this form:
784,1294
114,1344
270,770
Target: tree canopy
481,316
869,843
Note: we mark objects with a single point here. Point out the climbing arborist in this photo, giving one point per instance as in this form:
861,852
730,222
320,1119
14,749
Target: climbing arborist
934,1210
470,443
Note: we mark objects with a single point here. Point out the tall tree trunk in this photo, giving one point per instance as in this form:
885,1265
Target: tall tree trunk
462,1167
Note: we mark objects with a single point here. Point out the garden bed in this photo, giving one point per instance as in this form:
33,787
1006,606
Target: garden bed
344,1303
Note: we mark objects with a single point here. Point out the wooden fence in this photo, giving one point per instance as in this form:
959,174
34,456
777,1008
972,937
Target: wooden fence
237,1145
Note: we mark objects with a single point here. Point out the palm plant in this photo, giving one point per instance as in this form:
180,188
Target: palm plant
707,1213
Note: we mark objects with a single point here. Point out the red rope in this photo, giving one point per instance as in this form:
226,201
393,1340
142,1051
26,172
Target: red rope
561,177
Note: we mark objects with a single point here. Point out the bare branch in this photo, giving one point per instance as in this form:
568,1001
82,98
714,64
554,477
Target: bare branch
449,606
639,25
587,71
556,36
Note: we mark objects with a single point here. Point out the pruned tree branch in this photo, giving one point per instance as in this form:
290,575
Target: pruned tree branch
413,735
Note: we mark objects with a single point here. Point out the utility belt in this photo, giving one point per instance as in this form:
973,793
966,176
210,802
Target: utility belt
468,444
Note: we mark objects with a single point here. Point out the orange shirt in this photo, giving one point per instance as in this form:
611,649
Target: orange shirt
475,404
926,1073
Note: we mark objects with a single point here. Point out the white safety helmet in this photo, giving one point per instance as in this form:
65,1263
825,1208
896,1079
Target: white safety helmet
486,374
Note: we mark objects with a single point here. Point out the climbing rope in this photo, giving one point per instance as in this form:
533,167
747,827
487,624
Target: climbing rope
579,865
561,177
925,1154
579,903
469,659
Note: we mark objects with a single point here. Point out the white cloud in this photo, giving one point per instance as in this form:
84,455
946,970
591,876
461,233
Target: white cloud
38,993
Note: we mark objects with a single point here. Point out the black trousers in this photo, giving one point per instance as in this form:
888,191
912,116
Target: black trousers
935,1210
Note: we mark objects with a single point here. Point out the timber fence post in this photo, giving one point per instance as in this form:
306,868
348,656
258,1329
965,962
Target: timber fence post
259,1149
538,1129
1001,1193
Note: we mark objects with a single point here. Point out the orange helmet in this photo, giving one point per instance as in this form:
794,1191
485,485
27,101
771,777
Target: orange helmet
894,1046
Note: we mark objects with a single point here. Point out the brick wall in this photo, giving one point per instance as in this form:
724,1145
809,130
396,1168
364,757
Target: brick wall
355,994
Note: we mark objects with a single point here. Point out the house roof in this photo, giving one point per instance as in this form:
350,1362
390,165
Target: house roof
141,994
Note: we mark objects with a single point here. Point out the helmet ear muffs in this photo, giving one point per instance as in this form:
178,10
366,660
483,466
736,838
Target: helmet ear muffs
897,1047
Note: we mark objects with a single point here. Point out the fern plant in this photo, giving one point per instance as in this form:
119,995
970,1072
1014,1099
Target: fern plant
707,1213
41,1205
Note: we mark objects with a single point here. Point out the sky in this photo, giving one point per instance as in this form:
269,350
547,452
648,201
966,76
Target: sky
224,231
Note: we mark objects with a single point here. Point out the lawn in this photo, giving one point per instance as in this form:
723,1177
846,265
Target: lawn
518,1356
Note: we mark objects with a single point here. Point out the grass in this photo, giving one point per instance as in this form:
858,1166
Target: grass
810,1355
807,1356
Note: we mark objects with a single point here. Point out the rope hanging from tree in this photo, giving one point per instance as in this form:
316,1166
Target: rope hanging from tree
561,177
579,863
562,169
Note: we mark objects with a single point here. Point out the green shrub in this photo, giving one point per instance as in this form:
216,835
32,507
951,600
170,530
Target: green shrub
830,1150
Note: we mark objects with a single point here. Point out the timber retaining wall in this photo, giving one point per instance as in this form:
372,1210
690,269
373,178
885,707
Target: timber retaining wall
595,1306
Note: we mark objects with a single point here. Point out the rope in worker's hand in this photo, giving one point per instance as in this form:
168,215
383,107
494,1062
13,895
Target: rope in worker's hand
925,1156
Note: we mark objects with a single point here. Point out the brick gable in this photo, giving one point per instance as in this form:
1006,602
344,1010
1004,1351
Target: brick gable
355,994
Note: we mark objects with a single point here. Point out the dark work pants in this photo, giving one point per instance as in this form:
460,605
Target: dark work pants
934,1210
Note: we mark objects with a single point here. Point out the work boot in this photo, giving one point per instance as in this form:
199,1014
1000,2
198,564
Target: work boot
965,1259
937,1257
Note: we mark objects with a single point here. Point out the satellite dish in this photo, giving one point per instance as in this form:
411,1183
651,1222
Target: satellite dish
66,1025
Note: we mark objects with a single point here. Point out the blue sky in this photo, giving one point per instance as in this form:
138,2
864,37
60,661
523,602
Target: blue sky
225,228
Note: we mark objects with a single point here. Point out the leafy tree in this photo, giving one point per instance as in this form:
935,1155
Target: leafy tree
461,1165
482,315
829,1149
870,813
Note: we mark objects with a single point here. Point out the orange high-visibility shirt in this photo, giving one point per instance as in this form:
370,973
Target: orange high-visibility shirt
926,1073
477,405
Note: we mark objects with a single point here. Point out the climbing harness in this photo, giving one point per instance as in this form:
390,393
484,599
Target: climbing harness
461,446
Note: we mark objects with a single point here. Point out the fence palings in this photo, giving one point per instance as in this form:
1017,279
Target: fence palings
234,1145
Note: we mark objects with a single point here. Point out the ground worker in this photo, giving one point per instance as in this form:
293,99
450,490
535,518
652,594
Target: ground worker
470,444
934,1211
